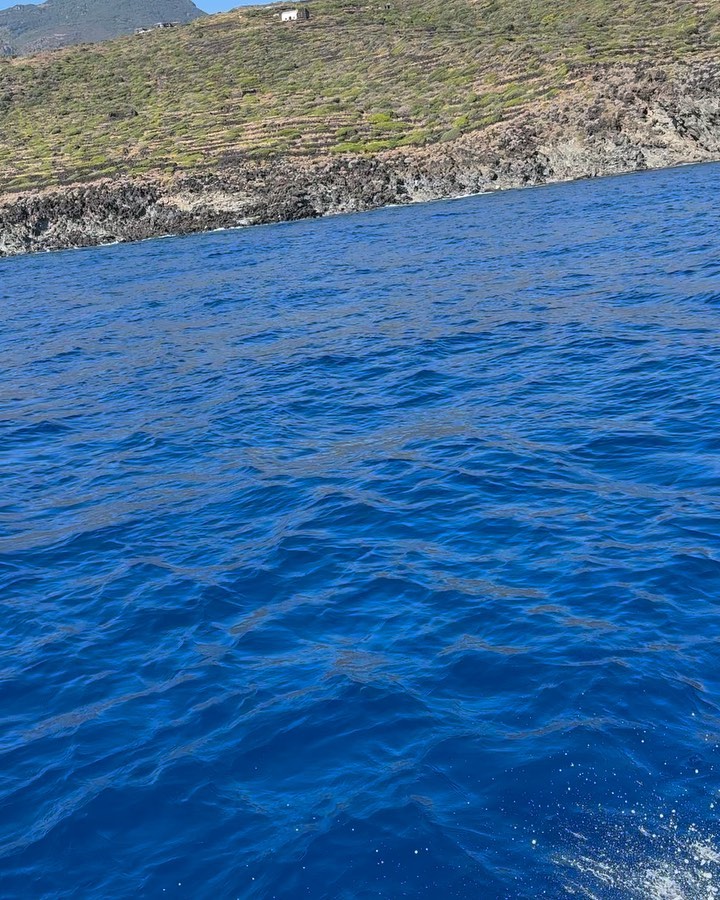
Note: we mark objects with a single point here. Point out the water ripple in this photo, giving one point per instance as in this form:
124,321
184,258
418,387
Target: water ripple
373,556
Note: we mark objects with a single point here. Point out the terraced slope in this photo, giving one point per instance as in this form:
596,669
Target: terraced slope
356,78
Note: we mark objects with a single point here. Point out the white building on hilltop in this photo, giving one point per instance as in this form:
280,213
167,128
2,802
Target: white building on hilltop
294,15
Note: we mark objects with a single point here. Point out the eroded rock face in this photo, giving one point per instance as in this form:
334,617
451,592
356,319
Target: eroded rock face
614,120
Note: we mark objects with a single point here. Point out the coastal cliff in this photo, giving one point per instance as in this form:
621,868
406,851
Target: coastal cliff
616,119
240,119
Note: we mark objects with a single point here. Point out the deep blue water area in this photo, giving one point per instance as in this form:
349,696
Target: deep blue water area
375,556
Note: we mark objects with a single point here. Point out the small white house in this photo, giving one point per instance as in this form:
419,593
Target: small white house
294,15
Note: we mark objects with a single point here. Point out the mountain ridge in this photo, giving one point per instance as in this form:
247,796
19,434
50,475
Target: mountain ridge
30,28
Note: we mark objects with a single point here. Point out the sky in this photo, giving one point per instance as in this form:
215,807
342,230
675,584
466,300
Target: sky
208,5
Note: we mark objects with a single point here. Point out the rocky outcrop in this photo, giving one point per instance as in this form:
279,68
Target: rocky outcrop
613,119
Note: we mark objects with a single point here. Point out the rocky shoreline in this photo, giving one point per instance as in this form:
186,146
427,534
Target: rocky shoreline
612,119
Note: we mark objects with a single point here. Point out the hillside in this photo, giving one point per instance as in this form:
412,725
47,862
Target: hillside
459,95
30,28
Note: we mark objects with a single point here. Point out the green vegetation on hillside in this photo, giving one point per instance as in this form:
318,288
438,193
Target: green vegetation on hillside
358,77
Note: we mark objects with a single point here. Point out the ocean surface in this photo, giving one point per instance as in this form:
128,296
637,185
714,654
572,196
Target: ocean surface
376,556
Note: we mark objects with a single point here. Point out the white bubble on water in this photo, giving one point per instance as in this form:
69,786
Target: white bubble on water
665,864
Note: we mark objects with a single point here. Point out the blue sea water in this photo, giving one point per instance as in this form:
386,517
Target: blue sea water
375,556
